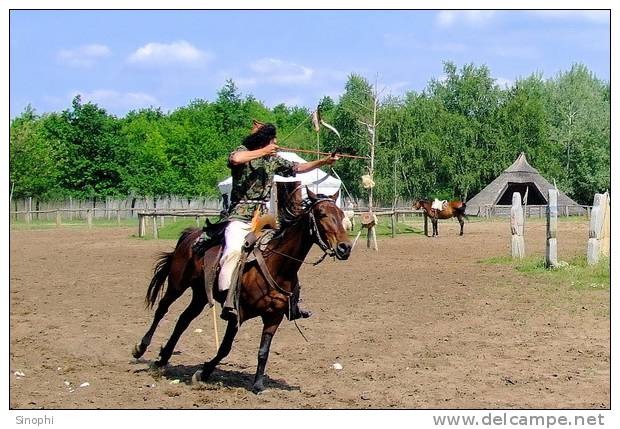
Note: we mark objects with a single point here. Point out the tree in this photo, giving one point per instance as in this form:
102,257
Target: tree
33,161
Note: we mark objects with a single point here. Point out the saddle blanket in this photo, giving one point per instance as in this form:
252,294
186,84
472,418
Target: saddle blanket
439,205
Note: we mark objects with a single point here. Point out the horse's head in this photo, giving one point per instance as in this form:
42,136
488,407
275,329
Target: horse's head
417,205
327,226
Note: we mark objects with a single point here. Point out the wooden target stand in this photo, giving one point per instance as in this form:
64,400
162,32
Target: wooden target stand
368,221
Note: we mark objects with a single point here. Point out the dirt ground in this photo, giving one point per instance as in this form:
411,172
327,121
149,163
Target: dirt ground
420,324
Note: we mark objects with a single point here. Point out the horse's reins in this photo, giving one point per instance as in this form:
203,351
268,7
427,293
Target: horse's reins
318,240
314,232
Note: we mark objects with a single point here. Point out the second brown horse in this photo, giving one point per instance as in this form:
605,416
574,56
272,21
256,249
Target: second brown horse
454,208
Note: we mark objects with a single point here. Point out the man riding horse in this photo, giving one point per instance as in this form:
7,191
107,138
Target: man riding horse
253,166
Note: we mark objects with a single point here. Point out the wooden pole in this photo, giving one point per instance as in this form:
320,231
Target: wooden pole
28,216
516,227
118,215
598,233
393,225
89,217
58,218
141,225
155,235
551,253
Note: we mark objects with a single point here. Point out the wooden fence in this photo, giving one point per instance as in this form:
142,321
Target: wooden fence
158,217
539,211
29,209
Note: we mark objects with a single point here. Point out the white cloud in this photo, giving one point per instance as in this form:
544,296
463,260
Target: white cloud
448,18
503,82
282,72
83,56
598,16
111,99
168,54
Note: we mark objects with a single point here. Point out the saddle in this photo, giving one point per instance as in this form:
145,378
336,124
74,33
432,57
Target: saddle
439,204
213,236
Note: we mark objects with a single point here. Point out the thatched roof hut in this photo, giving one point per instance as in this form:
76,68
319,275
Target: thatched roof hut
519,177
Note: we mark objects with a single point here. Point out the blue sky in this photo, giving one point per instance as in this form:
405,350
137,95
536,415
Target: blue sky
125,60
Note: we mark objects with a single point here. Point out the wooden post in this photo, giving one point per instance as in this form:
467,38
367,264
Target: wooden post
198,221
606,230
551,253
118,216
58,218
28,215
89,217
155,235
600,223
516,227
393,225
141,225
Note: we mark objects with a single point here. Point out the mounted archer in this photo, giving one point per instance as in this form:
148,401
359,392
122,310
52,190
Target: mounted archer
253,166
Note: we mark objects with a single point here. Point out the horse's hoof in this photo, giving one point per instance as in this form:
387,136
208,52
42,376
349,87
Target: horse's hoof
258,389
160,363
197,378
138,350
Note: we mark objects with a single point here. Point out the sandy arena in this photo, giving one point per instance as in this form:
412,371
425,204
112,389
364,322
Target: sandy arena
420,324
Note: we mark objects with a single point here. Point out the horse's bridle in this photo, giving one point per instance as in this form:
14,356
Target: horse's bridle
315,232
308,207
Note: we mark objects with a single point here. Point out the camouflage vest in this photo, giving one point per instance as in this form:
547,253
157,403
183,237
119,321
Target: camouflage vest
252,182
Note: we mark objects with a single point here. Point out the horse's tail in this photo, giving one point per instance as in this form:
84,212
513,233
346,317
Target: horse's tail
160,274
162,270
461,210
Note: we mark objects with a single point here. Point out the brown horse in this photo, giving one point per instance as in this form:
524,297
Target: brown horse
454,209
316,221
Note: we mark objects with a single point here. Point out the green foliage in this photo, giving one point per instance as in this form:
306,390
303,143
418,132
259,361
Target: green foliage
448,141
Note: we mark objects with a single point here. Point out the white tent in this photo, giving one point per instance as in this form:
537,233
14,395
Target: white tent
317,180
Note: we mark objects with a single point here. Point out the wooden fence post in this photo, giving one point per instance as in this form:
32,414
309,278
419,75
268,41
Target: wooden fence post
155,235
393,225
58,218
28,215
89,217
118,216
551,253
598,234
516,227
141,225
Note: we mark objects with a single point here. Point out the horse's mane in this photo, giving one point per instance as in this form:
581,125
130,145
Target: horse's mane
186,233
293,211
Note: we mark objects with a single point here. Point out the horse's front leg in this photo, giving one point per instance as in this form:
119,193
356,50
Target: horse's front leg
462,223
222,351
435,231
270,326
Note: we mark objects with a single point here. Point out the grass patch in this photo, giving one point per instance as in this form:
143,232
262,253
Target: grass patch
384,228
575,274
173,230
